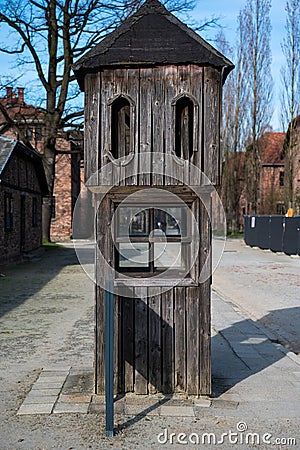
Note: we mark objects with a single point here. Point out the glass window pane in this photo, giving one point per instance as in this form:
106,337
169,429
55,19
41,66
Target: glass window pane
168,255
172,220
131,223
134,255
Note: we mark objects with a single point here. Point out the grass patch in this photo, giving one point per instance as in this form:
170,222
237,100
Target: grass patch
237,234
50,244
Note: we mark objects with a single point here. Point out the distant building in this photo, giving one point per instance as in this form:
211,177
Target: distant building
25,122
291,153
271,185
272,173
22,186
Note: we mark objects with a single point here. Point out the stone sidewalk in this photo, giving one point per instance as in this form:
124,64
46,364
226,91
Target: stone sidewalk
46,351
250,374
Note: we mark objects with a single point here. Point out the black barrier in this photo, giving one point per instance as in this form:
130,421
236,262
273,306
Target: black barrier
291,236
277,233
250,231
263,232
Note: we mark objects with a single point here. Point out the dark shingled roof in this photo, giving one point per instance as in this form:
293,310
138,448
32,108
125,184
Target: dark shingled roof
151,36
9,146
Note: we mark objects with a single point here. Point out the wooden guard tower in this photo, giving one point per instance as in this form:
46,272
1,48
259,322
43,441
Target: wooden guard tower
153,92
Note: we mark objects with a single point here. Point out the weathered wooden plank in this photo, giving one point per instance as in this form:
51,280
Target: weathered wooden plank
192,339
120,86
131,169
105,248
158,126
92,125
170,94
196,91
128,343
180,339
99,341
141,341
154,321
205,339
167,318
145,126
212,124
205,295
118,344
107,92
195,241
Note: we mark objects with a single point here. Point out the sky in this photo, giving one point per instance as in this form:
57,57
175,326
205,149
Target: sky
228,12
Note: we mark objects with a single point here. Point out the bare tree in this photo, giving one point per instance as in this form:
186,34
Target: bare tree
290,92
48,36
233,129
259,85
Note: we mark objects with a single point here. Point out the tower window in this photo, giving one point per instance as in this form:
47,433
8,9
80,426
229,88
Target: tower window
120,129
184,118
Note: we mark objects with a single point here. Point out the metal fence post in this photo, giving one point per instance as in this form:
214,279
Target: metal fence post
109,358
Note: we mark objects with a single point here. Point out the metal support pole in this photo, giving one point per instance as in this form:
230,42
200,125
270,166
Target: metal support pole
109,358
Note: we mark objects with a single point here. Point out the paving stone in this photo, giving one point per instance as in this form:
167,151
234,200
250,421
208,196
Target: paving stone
82,383
47,385
136,410
98,398
142,400
34,400
44,392
61,408
226,404
202,402
178,411
75,398
53,373
41,408
57,368
99,408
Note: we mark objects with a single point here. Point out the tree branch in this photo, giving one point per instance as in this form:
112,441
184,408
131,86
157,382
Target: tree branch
28,44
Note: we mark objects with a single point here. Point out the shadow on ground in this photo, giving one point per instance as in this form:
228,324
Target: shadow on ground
34,275
242,350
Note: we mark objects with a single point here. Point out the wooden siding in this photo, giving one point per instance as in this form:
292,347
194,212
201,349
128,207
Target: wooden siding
162,337
153,93
159,341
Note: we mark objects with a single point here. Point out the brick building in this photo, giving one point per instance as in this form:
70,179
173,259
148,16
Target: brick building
22,186
291,152
19,120
271,186
272,173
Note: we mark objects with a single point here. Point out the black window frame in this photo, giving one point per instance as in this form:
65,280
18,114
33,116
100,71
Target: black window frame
8,212
34,212
121,127
151,270
182,105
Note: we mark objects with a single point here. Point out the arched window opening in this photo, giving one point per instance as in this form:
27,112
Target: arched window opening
184,128
120,128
